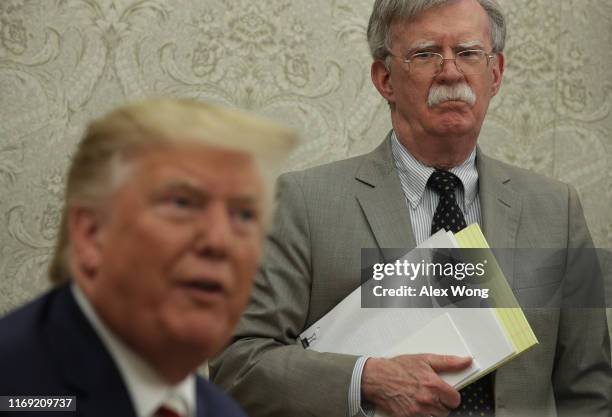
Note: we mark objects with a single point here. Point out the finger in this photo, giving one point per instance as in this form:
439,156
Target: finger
428,401
449,397
447,363
445,394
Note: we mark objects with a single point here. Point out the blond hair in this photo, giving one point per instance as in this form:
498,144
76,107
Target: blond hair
96,167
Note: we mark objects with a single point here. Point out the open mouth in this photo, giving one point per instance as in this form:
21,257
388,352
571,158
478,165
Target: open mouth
204,290
205,286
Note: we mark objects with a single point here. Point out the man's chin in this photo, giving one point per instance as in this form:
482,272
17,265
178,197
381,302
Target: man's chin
451,124
207,342
453,115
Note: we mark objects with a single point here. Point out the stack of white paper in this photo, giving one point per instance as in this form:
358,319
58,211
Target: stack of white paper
386,332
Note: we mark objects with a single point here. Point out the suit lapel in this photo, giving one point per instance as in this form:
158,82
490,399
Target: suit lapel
501,211
382,199
87,367
200,402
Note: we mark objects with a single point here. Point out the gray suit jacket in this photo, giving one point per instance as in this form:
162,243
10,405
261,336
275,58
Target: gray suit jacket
325,215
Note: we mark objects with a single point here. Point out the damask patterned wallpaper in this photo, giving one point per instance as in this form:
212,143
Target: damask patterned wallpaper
304,63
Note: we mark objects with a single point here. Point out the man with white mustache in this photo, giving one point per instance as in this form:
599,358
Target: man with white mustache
437,63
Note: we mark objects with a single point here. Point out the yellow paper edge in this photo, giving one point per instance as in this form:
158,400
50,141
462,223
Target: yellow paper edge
513,320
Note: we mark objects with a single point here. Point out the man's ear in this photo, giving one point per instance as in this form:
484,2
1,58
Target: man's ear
382,80
85,229
498,65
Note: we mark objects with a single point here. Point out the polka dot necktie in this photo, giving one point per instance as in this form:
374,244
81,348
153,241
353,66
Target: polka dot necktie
448,215
477,399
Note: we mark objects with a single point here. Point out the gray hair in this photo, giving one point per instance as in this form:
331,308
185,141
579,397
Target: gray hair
111,141
387,12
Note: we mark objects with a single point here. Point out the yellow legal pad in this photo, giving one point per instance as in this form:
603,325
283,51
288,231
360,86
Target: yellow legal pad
511,316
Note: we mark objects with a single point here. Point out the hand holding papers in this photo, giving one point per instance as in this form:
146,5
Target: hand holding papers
491,336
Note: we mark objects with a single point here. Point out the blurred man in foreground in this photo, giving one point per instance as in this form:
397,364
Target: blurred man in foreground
160,240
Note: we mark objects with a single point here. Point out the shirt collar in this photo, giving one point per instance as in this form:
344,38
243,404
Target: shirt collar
146,388
417,174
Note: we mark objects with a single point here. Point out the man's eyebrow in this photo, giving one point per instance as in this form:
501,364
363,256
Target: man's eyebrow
420,45
181,185
471,44
474,44
245,200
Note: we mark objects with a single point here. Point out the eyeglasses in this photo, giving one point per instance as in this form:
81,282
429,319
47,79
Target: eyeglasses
468,62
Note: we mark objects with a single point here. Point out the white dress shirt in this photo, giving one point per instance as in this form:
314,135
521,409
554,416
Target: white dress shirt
147,390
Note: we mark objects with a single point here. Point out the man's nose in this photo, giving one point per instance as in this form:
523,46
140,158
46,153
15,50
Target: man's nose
449,71
214,231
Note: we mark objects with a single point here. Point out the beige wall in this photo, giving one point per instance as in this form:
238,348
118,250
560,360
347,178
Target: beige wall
301,62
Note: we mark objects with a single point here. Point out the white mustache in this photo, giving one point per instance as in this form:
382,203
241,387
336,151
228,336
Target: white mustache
441,93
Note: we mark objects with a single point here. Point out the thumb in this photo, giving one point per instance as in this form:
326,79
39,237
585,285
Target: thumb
448,363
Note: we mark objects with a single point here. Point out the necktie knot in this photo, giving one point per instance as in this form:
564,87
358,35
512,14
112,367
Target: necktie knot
443,182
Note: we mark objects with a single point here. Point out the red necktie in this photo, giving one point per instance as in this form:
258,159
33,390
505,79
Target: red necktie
164,411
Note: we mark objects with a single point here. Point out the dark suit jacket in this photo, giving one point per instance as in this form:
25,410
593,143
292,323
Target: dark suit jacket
325,215
49,348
